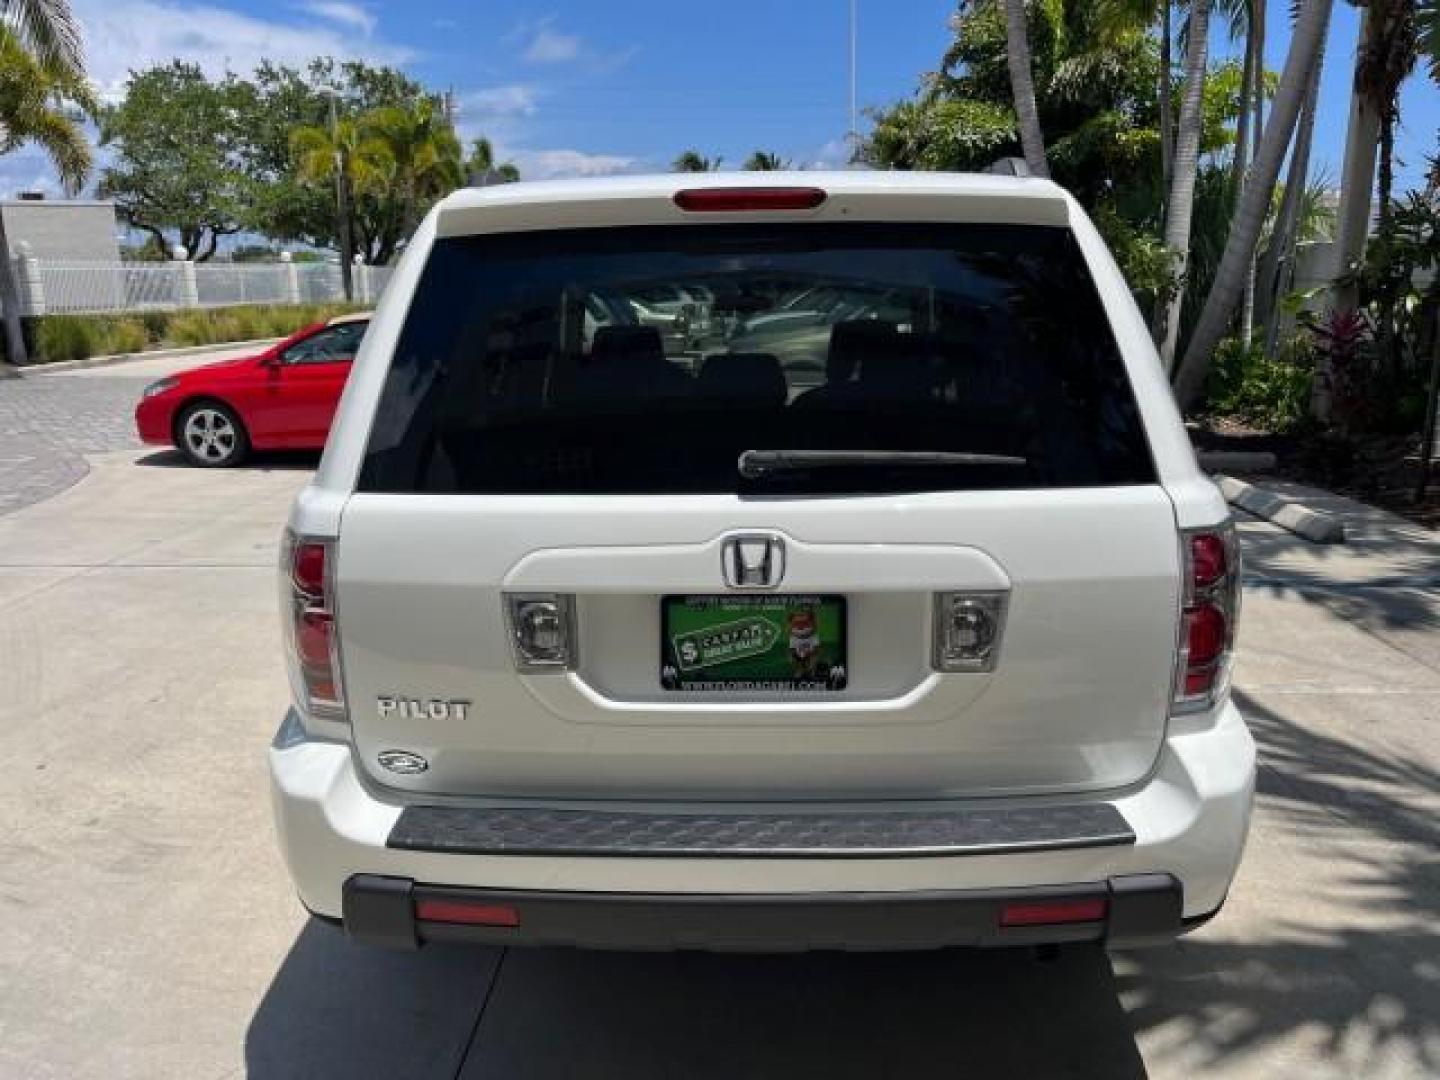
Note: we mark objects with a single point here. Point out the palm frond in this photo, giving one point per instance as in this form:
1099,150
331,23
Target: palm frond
49,29
1427,36
35,108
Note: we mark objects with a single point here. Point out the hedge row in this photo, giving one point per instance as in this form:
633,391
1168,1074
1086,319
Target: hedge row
77,337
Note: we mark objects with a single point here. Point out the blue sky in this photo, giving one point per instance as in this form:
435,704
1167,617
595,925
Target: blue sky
568,87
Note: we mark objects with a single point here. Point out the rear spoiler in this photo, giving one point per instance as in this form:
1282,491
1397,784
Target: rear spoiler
848,196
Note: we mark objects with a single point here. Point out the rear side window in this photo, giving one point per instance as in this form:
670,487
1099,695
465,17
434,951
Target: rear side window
648,360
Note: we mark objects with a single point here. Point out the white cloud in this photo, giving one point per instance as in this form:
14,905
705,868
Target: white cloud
344,13
537,41
498,102
834,154
556,164
131,35
551,47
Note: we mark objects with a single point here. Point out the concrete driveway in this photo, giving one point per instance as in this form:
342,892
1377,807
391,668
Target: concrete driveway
147,928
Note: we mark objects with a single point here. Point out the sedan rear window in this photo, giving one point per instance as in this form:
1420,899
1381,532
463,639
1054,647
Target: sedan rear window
651,359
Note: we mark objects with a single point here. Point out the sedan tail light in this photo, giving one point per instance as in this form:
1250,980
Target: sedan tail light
307,569
1211,607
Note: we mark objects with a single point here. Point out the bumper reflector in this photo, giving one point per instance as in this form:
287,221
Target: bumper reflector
1050,912
466,913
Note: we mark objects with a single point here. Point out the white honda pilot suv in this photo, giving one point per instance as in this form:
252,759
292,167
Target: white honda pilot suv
874,600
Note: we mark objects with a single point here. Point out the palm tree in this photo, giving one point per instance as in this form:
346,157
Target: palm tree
1305,43
1022,87
1379,75
482,169
49,31
1180,204
352,158
1250,129
1393,35
694,161
33,110
764,161
1277,268
423,150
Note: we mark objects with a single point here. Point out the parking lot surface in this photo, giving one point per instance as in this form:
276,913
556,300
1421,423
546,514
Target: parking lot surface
149,929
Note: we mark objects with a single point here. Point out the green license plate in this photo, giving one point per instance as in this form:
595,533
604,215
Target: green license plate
752,643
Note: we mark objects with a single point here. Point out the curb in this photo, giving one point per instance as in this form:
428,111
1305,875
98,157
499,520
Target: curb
1308,524
149,354
1242,461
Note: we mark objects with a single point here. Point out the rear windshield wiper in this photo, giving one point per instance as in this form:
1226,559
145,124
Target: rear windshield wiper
757,463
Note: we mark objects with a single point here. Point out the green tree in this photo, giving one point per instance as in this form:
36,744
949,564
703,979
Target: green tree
284,204
481,167
1098,75
346,155
174,139
424,152
1095,94
764,161
41,104
694,161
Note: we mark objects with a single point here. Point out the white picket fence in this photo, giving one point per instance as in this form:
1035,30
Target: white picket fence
48,287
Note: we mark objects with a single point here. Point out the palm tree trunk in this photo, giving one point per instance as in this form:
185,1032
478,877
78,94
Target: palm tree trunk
1167,110
1241,164
1432,400
1241,161
1305,42
1022,87
1276,276
1357,182
1181,203
15,354
1256,54
1386,343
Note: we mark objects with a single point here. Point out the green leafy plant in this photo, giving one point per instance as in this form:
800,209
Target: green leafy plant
1270,394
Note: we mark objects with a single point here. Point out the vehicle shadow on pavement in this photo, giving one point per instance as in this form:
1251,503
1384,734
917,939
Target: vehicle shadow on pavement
341,1010
1347,960
259,460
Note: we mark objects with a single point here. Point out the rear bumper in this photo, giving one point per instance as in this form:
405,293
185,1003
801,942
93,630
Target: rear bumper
1184,834
1133,910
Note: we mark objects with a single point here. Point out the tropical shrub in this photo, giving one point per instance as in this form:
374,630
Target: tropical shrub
1272,394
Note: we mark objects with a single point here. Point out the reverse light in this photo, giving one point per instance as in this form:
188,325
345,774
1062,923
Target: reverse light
542,629
703,200
1211,565
307,567
967,629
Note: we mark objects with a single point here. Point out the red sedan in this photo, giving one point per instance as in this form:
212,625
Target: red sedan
281,399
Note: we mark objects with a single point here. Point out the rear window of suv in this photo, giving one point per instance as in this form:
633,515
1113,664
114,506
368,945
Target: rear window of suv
649,359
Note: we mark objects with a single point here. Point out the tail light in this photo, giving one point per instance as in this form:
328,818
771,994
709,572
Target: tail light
307,568
1207,620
